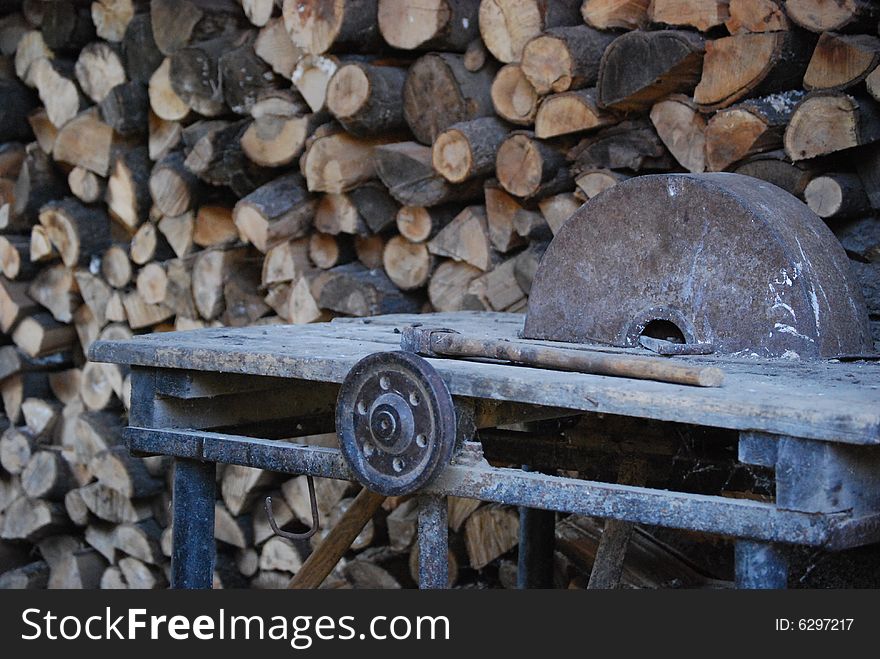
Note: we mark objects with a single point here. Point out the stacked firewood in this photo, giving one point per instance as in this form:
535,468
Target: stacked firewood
178,164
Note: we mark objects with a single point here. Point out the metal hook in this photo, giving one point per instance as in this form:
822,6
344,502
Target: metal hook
315,521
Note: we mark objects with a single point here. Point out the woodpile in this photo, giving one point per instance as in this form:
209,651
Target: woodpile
180,164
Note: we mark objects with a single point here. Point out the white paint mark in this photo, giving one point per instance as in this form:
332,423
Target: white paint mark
465,23
790,354
788,329
814,302
673,186
779,304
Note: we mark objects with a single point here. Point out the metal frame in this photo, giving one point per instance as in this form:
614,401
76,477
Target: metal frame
761,527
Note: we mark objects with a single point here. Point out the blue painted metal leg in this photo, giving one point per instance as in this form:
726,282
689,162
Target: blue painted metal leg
760,565
537,530
193,554
433,542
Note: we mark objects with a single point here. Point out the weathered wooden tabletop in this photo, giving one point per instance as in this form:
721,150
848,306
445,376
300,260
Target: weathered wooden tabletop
826,400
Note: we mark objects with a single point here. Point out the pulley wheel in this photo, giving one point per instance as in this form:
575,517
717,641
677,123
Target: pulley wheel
719,259
396,422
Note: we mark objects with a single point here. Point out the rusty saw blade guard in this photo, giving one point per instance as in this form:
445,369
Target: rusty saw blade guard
727,259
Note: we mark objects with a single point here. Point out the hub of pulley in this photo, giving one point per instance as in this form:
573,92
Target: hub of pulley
396,422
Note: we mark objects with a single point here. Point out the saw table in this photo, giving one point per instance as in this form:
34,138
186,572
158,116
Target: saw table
219,395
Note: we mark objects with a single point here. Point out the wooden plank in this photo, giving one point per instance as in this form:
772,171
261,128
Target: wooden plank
174,383
816,399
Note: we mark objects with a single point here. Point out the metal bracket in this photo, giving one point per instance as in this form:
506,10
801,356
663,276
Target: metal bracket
287,535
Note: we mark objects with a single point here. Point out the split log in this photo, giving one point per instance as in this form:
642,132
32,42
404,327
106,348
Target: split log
682,129
244,305
128,192
141,314
46,476
125,108
365,99
311,76
339,162
76,508
98,70
615,15
31,48
33,576
826,122
502,211
277,554
318,27
258,12
527,167
369,250
407,264
352,289
527,262
117,469
140,540
116,266
508,25
447,25
211,270
86,186
16,449
218,159
276,140
95,293
67,26
176,23
41,417
164,136
111,17
571,112
164,101
214,227
295,302
15,304
240,487
375,206
12,156
139,51
276,212
98,385
139,576
640,68
747,128
466,239
101,537
15,260
55,83
287,261
837,195
406,169
76,231
756,16
85,141
55,288
700,14
178,232
752,65
32,520
467,150
564,58
112,506
44,130
490,532
243,76
872,82
498,289
439,91
151,283
276,48
632,145
833,15
336,213
40,334
38,183
174,189
556,210
147,244
840,61
774,167
418,224
96,431
513,96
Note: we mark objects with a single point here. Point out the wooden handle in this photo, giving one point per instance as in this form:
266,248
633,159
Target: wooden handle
581,361
327,555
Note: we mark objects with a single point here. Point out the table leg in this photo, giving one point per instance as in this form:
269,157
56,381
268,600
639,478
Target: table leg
433,542
760,565
193,554
537,530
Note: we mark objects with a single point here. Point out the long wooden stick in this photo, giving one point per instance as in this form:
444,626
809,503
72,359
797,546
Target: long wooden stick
327,555
445,343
